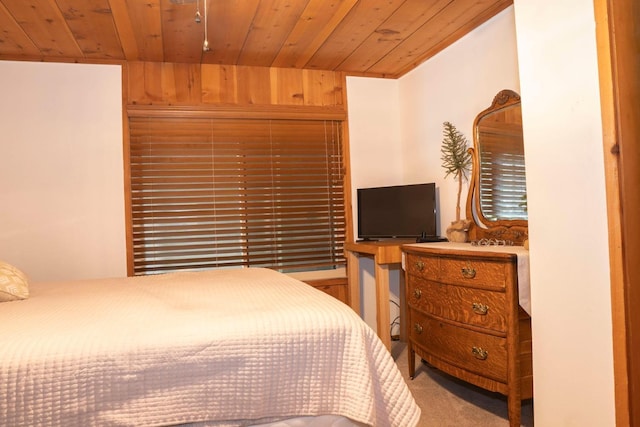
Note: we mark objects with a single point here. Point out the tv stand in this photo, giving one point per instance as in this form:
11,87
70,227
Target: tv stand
430,239
423,238
385,253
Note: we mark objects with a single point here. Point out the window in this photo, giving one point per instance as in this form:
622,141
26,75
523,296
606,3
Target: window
215,193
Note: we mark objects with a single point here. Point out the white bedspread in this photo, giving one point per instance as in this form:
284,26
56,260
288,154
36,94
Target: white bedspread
241,346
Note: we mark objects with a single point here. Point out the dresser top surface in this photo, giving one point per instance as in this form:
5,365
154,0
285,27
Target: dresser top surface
466,249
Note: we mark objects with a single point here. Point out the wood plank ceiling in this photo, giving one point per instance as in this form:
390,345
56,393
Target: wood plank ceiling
384,38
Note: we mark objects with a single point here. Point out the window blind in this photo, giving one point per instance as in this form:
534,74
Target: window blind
216,193
502,175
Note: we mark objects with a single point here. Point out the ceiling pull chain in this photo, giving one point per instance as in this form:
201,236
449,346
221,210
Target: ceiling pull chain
205,45
198,16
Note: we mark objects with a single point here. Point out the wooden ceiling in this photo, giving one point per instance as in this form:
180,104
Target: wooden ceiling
385,38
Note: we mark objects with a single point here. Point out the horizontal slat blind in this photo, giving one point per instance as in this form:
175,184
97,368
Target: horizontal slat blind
212,193
502,174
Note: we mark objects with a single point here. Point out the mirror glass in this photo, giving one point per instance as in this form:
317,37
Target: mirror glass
498,193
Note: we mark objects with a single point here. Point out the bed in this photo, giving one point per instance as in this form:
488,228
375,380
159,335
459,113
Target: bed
235,347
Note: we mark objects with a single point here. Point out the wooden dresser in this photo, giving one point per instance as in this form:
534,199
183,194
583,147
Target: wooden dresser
465,319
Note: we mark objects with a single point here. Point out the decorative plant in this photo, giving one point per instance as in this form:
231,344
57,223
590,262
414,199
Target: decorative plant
456,159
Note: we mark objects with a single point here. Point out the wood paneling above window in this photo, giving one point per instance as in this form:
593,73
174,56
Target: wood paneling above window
161,84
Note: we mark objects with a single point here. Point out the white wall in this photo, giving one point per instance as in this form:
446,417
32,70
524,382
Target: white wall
374,135
454,86
395,126
554,68
374,130
61,180
570,292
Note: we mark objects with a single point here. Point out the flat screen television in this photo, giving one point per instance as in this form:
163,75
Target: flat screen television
398,211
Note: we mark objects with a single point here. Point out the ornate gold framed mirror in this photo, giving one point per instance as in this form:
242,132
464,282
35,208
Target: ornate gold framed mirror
497,200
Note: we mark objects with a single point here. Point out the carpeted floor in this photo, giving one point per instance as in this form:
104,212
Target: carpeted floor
448,402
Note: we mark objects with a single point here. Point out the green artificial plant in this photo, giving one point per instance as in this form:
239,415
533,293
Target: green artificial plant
456,159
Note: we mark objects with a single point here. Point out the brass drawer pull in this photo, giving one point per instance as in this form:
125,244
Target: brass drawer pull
418,328
468,272
417,293
480,353
480,308
420,265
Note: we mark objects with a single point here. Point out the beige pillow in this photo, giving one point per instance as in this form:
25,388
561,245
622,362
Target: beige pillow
13,283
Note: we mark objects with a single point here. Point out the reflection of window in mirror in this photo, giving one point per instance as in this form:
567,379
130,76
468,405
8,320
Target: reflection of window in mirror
502,172
497,201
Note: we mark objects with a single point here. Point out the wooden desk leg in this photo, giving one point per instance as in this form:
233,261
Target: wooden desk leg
353,278
383,317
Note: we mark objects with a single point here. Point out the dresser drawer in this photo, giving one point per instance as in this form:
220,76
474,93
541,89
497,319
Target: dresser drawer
472,272
478,307
423,266
476,352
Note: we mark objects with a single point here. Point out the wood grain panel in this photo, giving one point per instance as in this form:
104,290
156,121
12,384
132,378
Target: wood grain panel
453,22
286,86
475,273
319,19
82,17
152,82
133,77
404,22
219,84
182,37
336,287
475,331
228,27
454,345
167,79
124,28
164,84
363,19
13,39
457,303
322,88
337,35
46,27
618,35
145,15
272,23
188,83
425,267
254,85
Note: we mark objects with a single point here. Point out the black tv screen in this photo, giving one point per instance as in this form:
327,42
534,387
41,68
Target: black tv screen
397,211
